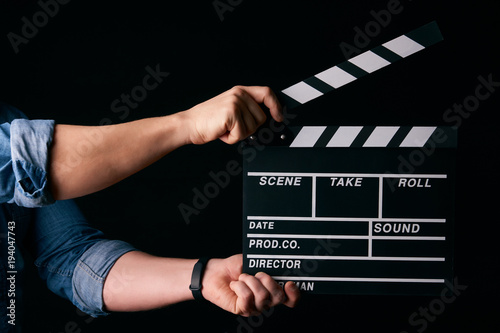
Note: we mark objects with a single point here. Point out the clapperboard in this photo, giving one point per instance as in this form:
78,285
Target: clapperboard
353,209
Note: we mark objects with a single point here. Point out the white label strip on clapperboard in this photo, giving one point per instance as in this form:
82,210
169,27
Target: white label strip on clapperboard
358,66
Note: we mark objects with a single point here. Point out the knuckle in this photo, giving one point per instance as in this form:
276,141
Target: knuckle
237,90
279,296
265,278
243,277
263,294
234,101
267,90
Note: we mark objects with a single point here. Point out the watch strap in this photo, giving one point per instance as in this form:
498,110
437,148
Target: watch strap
196,278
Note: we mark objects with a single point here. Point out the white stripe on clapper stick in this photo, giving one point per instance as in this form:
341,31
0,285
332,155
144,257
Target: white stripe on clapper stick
344,136
403,46
381,136
308,136
417,137
369,61
302,92
334,77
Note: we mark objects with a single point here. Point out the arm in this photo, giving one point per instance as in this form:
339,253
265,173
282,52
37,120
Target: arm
87,159
139,281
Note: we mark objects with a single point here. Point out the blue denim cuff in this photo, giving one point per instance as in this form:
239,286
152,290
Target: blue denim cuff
30,142
90,274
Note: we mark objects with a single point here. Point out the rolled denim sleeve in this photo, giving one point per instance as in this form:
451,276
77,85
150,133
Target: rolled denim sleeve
30,142
90,273
72,257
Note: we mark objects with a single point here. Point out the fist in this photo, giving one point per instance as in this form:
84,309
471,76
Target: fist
231,116
244,294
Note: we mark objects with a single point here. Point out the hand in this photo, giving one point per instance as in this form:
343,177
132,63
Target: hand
244,294
232,115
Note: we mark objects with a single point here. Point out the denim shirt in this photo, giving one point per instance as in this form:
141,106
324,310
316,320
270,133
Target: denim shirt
72,257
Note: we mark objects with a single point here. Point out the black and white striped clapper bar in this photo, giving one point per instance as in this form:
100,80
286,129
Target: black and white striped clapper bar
360,65
352,209
362,136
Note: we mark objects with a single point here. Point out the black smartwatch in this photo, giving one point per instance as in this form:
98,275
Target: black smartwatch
198,270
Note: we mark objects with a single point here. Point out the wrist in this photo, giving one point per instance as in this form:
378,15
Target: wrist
176,129
185,124
210,279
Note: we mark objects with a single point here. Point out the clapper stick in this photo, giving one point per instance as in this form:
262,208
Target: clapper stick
361,65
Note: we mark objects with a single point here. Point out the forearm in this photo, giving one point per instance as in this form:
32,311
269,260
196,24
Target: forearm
139,282
87,159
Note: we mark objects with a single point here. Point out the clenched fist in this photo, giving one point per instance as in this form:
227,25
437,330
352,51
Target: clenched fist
232,115
244,294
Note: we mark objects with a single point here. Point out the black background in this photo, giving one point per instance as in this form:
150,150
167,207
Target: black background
93,51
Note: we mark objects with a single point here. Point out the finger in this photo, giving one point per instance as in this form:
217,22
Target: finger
248,120
266,96
260,293
255,111
252,107
292,294
245,299
238,129
277,295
